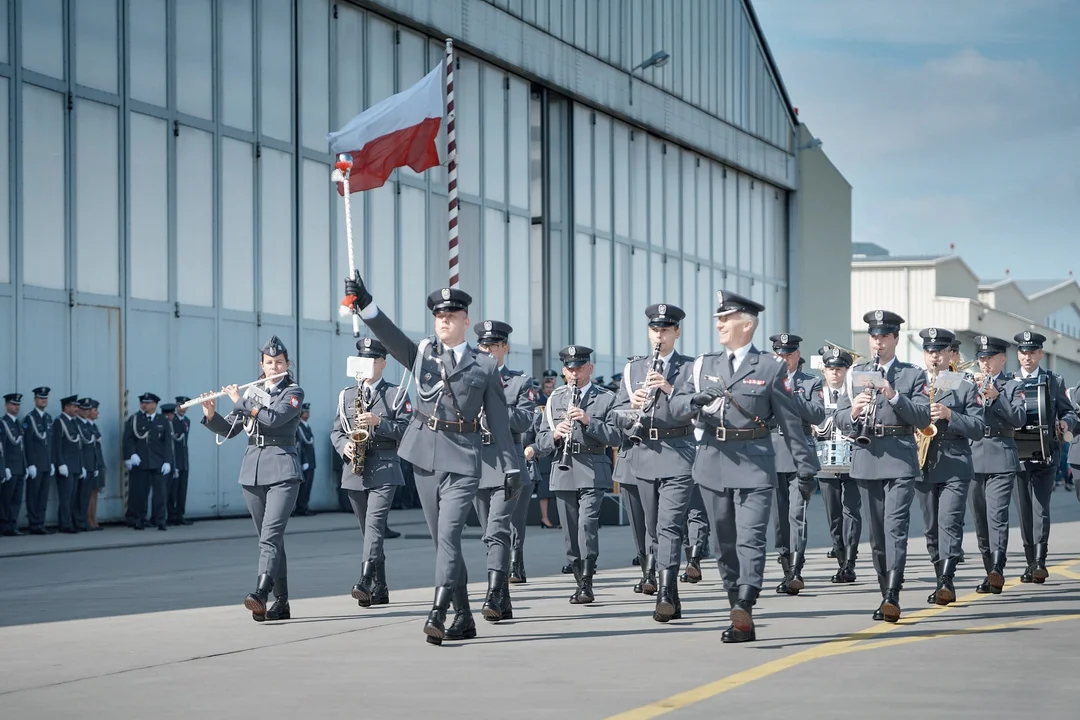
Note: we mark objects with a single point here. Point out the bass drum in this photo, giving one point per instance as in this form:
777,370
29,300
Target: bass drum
834,456
1035,440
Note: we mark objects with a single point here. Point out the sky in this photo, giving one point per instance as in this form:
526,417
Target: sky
955,121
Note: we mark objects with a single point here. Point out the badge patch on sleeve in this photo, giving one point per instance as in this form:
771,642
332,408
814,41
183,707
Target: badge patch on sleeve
294,401
532,394
926,390
408,406
979,399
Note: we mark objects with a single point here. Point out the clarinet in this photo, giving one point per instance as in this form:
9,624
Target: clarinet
649,407
575,400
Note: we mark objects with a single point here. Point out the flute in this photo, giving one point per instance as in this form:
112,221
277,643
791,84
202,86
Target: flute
213,396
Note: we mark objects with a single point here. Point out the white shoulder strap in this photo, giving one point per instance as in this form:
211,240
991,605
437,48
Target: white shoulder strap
626,379
547,409
341,411
697,372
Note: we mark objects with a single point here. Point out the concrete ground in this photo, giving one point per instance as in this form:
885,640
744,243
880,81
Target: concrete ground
149,622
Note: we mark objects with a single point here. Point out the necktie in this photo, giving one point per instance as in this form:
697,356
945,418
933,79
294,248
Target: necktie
451,358
731,364
833,395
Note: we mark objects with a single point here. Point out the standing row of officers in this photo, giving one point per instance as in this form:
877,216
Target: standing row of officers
714,445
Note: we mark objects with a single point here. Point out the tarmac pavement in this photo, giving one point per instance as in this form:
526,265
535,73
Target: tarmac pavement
125,626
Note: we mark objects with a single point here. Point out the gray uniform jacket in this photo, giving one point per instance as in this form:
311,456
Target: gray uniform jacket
806,390
381,465
893,456
67,445
761,388
949,457
37,434
89,446
474,383
590,463
12,440
663,457
150,439
1063,408
305,445
271,455
521,402
995,453
181,427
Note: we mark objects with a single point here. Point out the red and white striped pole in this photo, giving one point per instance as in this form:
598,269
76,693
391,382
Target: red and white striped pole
451,164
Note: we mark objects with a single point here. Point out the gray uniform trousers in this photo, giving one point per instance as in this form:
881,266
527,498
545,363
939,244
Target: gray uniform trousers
372,509
580,513
697,520
665,503
1034,489
446,499
65,495
740,523
10,501
990,497
843,509
789,515
520,517
495,513
888,504
270,507
635,513
943,516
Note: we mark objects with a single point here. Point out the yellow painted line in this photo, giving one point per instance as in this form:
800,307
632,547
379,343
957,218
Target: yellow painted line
955,632
829,648
1067,573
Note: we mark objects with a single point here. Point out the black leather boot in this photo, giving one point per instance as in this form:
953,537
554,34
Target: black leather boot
890,606
463,627
517,567
493,604
984,587
742,619
785,565
435,627
834,554
732,596
507,608
693,565
878,615
846,573
280,609
795,582
361,591
568,568
575,567
1040,573
946,592
648,585
665,596
639,587
585,591
932,597
380,594
996,576
256,601
1029,573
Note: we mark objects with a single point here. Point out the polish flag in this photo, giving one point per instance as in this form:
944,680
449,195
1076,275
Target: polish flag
399,131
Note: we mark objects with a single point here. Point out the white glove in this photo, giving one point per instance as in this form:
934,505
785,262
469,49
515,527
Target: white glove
176,474
135,460
63,470
304,467
166,468
127,464
7,474
31,471
52,469
96,473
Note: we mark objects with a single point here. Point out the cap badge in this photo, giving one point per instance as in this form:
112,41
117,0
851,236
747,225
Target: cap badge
879,315
487,325
662,309
367,342
932,332
720,298
784,338
571,351
446,293
982,339
1027,335
836,352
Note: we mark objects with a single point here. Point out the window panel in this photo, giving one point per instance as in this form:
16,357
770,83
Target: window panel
639,294
780,235
97,198
520,104
703,309
719,283
639,187
704,192
602,173
149,208
494,147
592,28
194,58
605,28
275,69
276,231
382,274
195,217
237,225
537,308
767,233
315,242
603,310
580,22
520,299
583,284
147,42
4,35
380,54
673,280
768,322
43,37
671,198
469,253
237,63
637,30
656,279
413,225
349,80
95,43
438,260
5,181
582,159
412,59
621,178
315,73
688,193
622,302
618,24
729,62
689,292
719,215
493,291
757,234
743,220
656,192
467,107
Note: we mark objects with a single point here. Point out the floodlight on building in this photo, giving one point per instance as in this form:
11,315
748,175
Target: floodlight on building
657,59
810,145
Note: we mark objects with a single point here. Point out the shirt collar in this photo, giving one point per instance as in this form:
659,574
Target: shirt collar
740,353
15,418
1033,373
459,350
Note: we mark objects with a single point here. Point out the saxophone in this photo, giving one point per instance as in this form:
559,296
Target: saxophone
360,433
924,436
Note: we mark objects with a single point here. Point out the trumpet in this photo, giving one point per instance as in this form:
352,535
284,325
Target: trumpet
213,396
869,413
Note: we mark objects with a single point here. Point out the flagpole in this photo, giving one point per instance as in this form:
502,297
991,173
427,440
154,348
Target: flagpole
451,165
344,168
